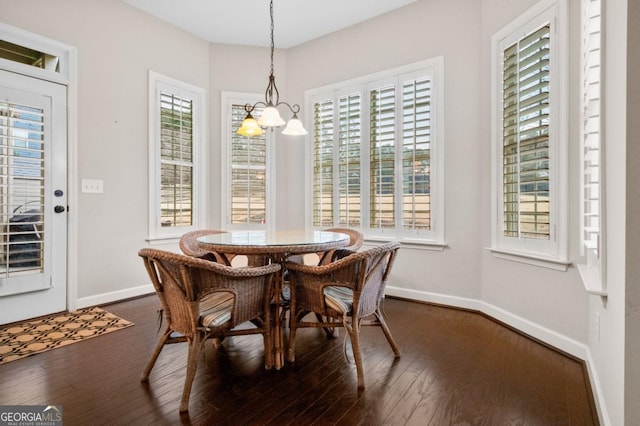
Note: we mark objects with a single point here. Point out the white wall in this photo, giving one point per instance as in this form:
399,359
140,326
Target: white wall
241,69
117,45
631,339
420,31
555,301
465,272
607,341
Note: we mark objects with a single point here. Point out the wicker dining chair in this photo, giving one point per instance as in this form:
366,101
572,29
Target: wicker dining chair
355,242
201,299
342,294
190,246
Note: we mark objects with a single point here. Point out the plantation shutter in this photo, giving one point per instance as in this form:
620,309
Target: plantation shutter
373,155
416,154
323,123
349,110
176,160
591,144
21,186
248,172
526,136
382,156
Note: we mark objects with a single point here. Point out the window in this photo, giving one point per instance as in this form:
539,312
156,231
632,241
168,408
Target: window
593,267
246,186
175,136
530,140
24,55
376,158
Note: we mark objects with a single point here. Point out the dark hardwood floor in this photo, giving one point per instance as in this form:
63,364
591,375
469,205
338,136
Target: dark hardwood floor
457,368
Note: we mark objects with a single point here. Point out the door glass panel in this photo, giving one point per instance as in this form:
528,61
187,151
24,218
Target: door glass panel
21,189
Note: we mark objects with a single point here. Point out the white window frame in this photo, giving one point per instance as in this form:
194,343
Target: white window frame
551,253
227,100
158,83
592,267
433,68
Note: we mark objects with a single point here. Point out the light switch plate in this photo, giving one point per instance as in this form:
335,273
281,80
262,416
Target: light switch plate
92,186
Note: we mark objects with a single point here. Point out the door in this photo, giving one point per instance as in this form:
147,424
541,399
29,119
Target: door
33,194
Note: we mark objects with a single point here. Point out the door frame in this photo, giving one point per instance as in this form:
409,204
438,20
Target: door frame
67,76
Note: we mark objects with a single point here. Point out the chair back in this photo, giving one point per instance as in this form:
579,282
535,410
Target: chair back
355,242
189,245
355,237
374,270
181,282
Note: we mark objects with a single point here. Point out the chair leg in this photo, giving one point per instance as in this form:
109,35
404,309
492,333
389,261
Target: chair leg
329,331
195,347
387,334
154,356
293,326
217,342
354,335
268,347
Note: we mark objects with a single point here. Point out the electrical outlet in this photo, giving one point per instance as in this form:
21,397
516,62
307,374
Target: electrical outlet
92,186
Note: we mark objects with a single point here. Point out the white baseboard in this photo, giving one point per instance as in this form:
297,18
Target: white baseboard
440,299
550,337
534,330
594,379
114,296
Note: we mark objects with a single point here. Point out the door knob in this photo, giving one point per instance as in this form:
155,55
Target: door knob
59,209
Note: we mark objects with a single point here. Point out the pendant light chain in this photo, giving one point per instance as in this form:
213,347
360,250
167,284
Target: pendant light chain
271,87
272,43
270,117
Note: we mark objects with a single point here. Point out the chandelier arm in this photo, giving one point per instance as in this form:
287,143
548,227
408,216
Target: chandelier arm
249,108
295,109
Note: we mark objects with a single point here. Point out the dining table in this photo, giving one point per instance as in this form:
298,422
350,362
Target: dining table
277,246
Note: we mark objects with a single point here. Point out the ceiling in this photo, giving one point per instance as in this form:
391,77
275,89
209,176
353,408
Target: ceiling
246,22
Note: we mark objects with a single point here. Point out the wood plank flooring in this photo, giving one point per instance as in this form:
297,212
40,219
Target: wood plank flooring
457,368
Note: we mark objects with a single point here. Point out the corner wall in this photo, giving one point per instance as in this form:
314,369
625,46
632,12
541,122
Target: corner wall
419,31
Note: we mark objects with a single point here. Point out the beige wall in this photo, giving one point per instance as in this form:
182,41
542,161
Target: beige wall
240,69
550,299
420,31
465,272
632,297
116,45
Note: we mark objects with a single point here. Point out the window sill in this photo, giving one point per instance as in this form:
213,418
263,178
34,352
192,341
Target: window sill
411,243
154,241
591,280
529,259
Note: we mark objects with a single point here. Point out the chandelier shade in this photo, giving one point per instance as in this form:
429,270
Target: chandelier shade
270,117
294,127
250,127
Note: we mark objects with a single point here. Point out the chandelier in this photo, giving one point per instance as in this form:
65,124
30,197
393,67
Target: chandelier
270,117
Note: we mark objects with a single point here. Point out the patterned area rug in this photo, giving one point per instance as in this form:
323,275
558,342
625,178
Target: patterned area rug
20,340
